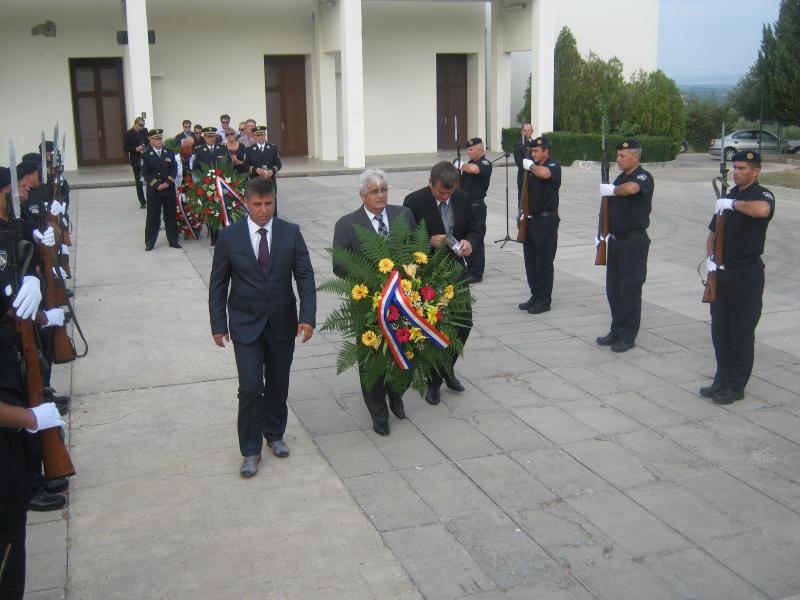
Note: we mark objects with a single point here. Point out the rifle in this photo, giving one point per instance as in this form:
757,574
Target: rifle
720,185
603,225
458,153
55,456
522,221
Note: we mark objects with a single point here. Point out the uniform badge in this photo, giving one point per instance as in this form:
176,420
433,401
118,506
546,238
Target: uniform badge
486,162
768,195
625,144
3,260
642,177
749,156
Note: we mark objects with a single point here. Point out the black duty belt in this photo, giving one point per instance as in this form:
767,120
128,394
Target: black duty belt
740,263
543,214
629,234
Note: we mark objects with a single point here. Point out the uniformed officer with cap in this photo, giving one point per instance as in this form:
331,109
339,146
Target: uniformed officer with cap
630,202
521,152
159,168
748,209
541,238
475,176
209,152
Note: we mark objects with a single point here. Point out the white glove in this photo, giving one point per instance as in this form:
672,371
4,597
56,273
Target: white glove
56,208
63,272
606,189
28,297
710,264
458,164
48,238
723,204
597,240
55,317
46,417
64,250
527,163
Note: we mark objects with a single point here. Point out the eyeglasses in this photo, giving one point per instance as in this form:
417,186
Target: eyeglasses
230,134
241,129
380,190
225,121
140,124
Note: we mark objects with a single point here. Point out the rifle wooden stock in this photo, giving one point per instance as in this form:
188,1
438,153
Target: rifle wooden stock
600,255
63,349
710,291
522,221
55,457
63,262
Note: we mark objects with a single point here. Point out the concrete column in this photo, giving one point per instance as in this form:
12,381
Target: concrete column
325,102
352,83
500,82
137,61
543,40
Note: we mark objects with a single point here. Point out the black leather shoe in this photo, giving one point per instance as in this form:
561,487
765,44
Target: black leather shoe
279,448
44,501
607,340
396,406
475,278
527,304
175,245
453,383
711,391
55,486
250,465
728,396
143,206
148,248
537,309
381,428
62,409
432,396
622,346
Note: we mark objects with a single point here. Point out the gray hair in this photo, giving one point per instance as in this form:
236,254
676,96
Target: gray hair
368,176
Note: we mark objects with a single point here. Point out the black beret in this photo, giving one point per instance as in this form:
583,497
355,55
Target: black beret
209,131
155,133
5,177
48,147
260,129
473,142
27,167
32,157
629,144
540,142
748,156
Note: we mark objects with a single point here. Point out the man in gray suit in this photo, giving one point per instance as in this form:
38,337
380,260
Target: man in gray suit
377,214
255,259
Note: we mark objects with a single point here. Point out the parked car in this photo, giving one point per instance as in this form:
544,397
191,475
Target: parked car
792,146
747,139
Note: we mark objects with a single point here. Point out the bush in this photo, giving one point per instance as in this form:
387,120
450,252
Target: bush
704,121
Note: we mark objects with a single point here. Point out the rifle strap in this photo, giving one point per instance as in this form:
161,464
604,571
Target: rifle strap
74,316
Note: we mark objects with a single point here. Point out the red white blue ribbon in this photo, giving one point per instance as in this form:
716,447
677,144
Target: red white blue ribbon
185,217
223,187
393,294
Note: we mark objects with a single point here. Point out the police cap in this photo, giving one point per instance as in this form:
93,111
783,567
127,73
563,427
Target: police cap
26,167
629,144
32,156
260,129
541,142
748,156
209,131
473,142
156,133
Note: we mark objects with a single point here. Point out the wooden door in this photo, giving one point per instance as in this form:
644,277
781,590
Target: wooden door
98,106
285,78
451,100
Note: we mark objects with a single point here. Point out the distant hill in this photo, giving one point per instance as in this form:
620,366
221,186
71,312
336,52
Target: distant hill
706,90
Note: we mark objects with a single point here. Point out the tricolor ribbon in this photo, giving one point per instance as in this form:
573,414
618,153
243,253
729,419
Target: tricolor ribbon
185,217
224,187
393,294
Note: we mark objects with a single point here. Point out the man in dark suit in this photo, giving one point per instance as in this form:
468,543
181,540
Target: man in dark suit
209,152
447,212
251,302
377,214
134,144
159,169
186,132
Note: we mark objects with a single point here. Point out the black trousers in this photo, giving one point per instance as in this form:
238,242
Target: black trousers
539,251
158,202
463,334
137,172
15,493
626,272
263,368
375,398
476,262
734,317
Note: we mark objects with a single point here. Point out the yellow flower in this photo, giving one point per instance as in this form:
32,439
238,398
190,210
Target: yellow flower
368,338
432,311
421,258
411,270
449,292
409,354
376,299
385,265
416,334
359,292
405,284
415,298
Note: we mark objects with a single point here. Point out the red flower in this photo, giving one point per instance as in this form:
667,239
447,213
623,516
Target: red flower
217,172
189,183
403,335
208,211
201,192
439,315
207,180
393,313
427,292
180,189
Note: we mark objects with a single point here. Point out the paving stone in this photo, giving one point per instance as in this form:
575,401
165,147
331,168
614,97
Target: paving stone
619,579
565,588
777,421
611,462
352,453
389,501
429,551
406,447
456,438
642,410
661,456
507,432
560,472
555,424
323,416
448,491
599,416
688,404
506,482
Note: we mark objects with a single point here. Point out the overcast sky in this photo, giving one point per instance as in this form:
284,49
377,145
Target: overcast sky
711,41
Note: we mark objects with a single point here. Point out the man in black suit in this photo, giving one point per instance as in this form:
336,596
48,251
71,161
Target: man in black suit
377,214
134,144
186,132
159,169
209,152
251,302
446,212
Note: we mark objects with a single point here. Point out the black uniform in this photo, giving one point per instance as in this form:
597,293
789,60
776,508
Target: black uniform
157,170
541,239
626,266
740,286
476,186
133,139
209,155
521,152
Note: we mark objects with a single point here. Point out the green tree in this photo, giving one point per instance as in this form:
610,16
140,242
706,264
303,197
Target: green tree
567,78
704,121
746,97
778,66
524,114
654,106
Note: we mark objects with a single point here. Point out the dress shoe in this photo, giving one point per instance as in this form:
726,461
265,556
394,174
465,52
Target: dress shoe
148,248
475,278
607,340
727,396
527,304
175,245
143,206
452,382
711,391
279,448
55,486
381,428
250,465
432,396
62,409
396,406
44,501
622,346
537,309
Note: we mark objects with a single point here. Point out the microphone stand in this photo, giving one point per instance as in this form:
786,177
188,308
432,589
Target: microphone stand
507,238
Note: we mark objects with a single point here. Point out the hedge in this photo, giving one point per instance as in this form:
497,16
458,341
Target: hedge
569,147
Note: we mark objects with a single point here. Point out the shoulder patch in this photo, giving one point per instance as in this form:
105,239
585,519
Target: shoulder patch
485,162
768,195
642,177
552,164
3,260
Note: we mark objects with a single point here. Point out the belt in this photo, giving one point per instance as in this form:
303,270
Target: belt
740,263
629,234
543,214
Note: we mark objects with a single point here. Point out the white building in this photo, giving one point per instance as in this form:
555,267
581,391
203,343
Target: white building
330,78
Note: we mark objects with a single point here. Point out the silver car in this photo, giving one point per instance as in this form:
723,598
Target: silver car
747,139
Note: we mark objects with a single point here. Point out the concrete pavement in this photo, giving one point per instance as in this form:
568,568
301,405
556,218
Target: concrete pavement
564,471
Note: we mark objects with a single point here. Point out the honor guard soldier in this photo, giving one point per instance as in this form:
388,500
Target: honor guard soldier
521,152
263,159
475,182
135,143
748,209
629,204
209,152
541,237
159,169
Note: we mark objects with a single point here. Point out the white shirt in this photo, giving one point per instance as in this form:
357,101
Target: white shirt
383,217
255,237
